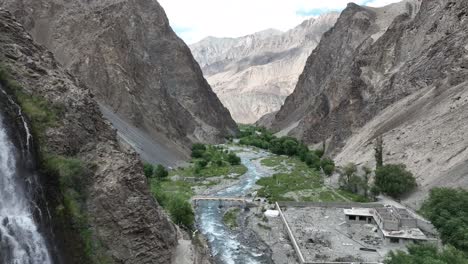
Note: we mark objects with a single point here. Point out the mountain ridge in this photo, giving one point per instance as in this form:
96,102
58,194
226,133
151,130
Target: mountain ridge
253,74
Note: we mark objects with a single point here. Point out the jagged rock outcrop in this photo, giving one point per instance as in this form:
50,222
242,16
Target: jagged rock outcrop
253,75
399,71
131,59
121,212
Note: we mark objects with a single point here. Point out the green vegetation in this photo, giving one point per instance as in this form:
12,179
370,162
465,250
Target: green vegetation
394,180
294,181
174,196
427,254
447,209
230,217
157,171
71,173
212,161
262,138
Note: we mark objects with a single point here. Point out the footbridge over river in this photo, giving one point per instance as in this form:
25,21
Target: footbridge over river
225,200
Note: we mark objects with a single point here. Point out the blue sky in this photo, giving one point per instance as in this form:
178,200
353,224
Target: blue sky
194,20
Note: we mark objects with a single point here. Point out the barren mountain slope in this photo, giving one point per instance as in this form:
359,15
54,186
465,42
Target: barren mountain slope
252,75
109,206
126,52
400,72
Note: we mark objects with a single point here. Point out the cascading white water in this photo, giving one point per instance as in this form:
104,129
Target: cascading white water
20,240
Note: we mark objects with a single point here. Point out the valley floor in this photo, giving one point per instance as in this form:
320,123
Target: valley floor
280,178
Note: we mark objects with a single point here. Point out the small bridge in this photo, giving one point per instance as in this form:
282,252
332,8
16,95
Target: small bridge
219,198
222,200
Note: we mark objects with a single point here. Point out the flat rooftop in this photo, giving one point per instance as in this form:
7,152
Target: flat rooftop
359,211
323,235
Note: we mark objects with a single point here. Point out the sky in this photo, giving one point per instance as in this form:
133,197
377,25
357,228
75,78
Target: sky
194,20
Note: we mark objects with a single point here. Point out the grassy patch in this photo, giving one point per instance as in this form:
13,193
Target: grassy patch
273,161
295,182
300,178
230,218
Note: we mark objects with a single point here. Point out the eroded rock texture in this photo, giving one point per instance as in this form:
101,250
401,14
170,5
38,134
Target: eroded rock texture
253,75
123,215
399,71
131,59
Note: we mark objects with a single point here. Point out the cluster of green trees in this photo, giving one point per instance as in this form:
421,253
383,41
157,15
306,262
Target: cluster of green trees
155,171
262,138
391,179
179,208
427,254
204,156
447,209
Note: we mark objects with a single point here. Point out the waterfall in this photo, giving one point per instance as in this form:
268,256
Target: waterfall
20,239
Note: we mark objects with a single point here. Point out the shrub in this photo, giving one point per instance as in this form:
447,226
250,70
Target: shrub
233,159
328,166
207,156
394,180
313,161
197,153
160,172
290,147
201,163
199,146
319,152
148,170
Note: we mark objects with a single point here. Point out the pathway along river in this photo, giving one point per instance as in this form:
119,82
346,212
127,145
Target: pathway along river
227,246
20,240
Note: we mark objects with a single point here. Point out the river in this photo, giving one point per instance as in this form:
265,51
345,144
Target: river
227,246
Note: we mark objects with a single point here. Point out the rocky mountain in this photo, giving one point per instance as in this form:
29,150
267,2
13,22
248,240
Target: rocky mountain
97,194
131,59
399,72
253,75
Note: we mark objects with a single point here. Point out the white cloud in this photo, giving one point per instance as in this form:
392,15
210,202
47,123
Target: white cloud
197,19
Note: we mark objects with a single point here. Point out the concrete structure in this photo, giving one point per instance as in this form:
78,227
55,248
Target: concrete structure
324,233
396,225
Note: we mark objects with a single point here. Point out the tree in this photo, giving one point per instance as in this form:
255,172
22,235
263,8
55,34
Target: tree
199,146
198,150
427,254
181,212
160,172
448,211
290,147
328,166
349,171
378,152
276,146
365,180
148,170
394,180
197,153
313,161
201,163
233,159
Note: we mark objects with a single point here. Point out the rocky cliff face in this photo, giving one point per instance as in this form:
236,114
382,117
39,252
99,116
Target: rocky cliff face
252,75
399,71
126,52
121,212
